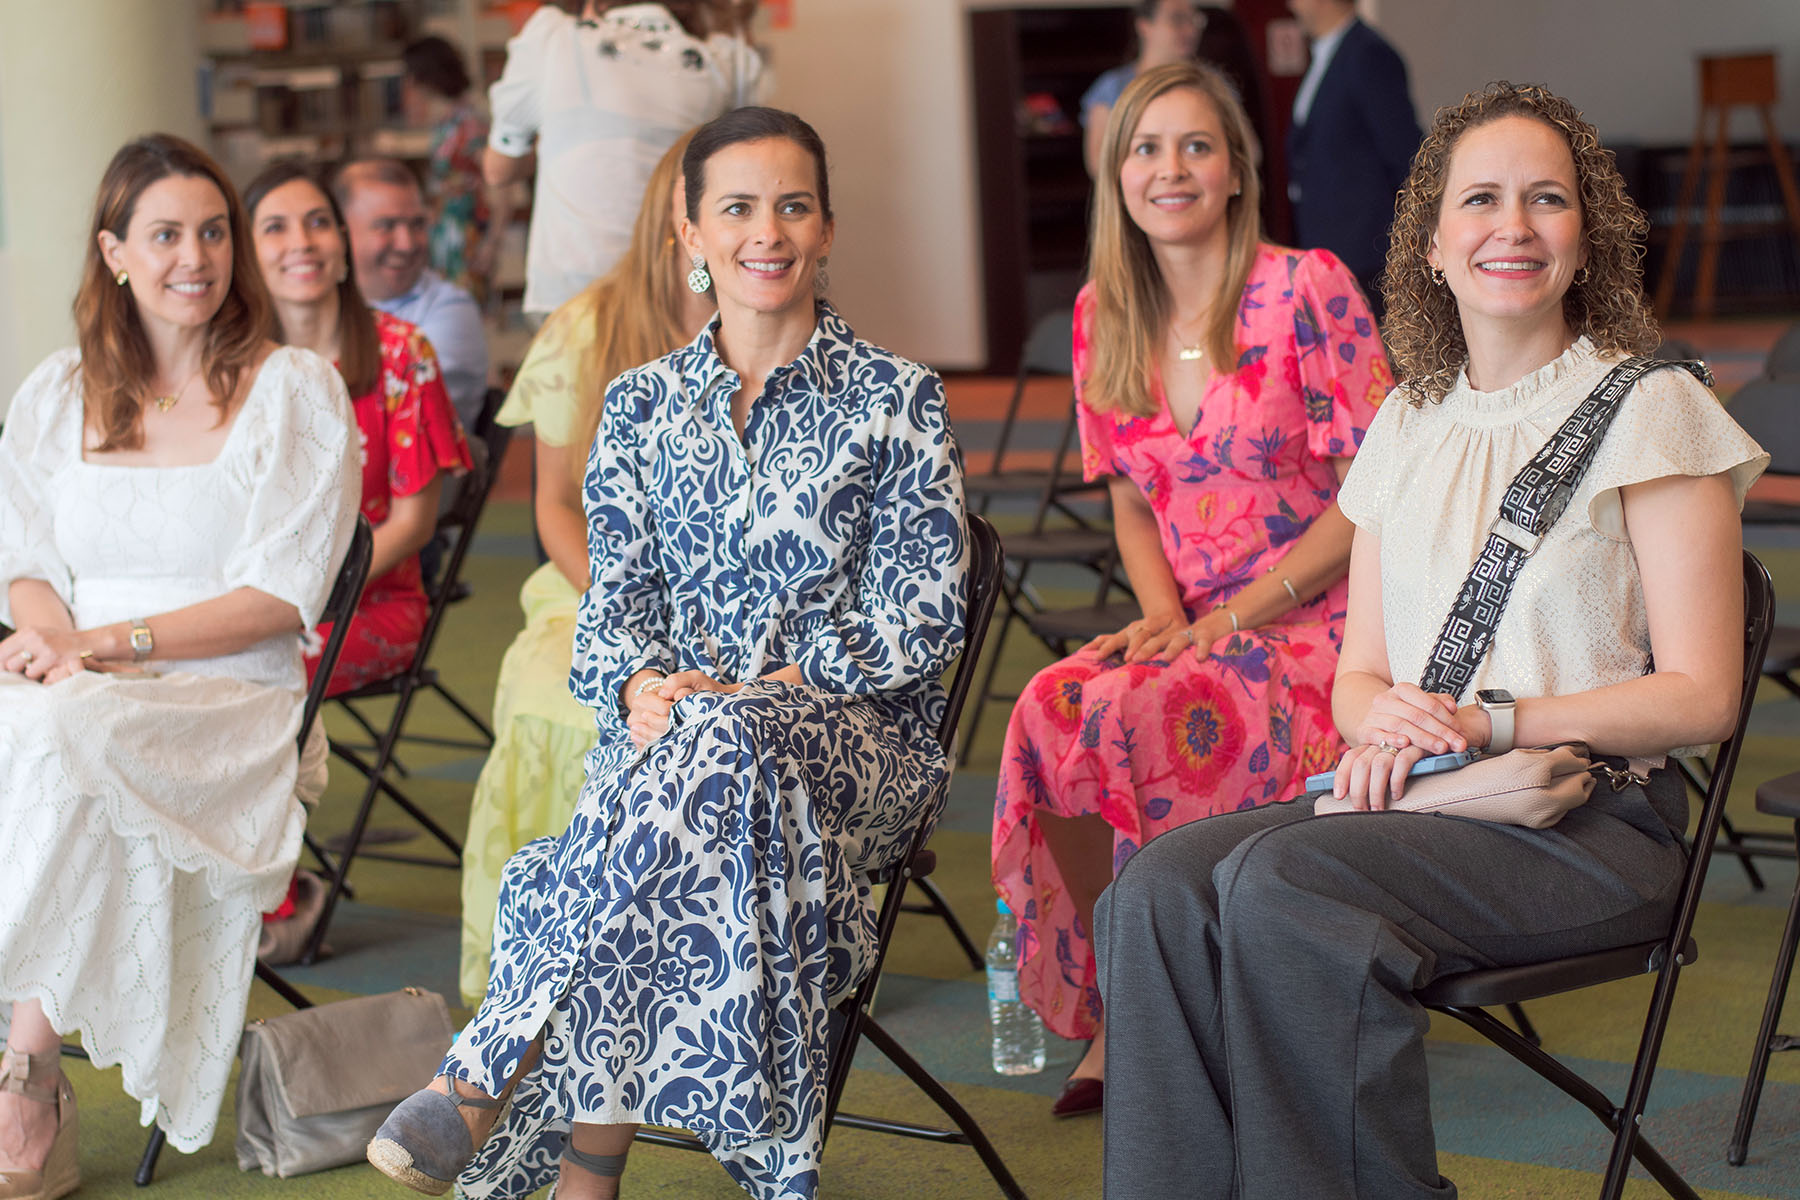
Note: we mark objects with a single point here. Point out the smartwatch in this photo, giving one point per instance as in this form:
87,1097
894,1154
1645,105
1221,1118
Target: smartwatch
1498,703
141,641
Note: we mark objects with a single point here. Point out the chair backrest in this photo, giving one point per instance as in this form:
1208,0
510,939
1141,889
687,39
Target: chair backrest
1769,411
1784,359
340,606
1759,619
1050,346
1677,350
986,561
457,525
1049,350
491,400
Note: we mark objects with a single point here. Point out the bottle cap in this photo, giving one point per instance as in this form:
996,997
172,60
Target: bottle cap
1000,907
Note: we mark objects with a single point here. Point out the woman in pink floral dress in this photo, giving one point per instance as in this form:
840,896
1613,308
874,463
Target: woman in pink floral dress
1224,384
410,439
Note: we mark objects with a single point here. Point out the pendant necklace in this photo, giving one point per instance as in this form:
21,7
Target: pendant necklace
165,403
1187,353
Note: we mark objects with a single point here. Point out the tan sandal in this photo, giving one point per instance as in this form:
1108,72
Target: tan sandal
39,1077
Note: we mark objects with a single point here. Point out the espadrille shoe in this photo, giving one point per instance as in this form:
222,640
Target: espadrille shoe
425,1143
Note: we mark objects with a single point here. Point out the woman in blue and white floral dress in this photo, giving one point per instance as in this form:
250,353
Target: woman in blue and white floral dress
776,533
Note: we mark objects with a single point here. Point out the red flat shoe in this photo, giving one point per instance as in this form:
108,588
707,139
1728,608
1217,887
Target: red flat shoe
1079,1098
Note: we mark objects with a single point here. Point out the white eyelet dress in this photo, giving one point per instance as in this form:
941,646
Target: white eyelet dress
147,820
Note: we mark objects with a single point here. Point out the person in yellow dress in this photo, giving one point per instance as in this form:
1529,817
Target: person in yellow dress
637,312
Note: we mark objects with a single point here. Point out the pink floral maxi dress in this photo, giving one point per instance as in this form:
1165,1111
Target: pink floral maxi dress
1156,745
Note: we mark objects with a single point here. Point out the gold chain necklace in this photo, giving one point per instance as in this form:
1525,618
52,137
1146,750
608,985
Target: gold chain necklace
1188,353
165,403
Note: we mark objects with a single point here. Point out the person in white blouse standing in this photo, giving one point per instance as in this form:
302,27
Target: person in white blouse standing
598,99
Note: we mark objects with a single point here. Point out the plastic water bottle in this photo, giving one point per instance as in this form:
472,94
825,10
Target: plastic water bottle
1018,1034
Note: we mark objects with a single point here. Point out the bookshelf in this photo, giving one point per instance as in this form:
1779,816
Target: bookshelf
1031,66
321,79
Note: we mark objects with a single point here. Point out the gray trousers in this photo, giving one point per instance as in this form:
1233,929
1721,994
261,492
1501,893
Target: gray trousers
1257,969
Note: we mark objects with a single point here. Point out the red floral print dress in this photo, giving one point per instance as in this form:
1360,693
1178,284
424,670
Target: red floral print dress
408,433
1154,745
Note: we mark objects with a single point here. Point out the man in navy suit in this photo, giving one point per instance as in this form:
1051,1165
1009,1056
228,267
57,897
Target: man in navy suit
1352,140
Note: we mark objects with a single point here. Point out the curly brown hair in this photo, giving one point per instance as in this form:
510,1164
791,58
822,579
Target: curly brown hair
1423,332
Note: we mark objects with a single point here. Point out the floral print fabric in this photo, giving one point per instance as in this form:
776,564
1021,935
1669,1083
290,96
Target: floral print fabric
453,188
1152,746
406,434
680,944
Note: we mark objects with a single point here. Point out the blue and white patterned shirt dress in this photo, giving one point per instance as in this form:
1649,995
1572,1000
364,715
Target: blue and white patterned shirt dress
680,945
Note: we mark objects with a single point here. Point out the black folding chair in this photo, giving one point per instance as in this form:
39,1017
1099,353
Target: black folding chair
1468,996
345,593
1784,356
403,688
1769,410
1048,353
1079,545
852,1020
1778,798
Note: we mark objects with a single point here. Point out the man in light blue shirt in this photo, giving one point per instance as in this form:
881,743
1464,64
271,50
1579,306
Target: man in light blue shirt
389,235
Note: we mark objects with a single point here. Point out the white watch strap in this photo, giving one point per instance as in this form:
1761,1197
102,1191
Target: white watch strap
1501,717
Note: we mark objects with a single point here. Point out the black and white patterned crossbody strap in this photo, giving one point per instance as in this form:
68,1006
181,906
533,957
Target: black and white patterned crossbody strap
1532,503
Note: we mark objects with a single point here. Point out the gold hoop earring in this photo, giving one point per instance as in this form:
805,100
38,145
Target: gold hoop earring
121,278
1582,275
1437,275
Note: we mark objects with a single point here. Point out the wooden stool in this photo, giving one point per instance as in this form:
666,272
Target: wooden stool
1727,81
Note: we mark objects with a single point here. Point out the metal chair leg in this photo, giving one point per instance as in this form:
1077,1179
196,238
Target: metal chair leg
146,1171
1767,1039
1527,1030
936,904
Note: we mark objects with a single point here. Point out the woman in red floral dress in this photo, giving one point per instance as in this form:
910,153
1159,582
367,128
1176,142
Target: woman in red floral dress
1224,384
409,433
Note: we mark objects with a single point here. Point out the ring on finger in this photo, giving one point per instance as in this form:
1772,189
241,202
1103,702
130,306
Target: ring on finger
25,656
1188,633
1386,748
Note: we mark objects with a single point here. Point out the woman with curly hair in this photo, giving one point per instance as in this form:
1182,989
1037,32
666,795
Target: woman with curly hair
1224,386
1258,968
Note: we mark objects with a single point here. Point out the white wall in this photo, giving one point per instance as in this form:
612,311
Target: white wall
78,78
1628,64
886,83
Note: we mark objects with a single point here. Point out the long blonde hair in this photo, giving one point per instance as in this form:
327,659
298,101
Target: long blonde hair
1131,301
637,304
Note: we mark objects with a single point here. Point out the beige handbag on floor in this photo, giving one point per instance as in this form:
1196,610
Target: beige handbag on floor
1531,786
317,1083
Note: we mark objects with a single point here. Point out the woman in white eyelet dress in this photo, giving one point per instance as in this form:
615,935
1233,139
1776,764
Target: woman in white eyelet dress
149,814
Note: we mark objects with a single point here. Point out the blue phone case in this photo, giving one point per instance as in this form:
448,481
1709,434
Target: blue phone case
1429,765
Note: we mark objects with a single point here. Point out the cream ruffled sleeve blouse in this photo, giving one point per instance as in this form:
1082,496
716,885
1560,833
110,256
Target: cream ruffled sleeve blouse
1429,480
